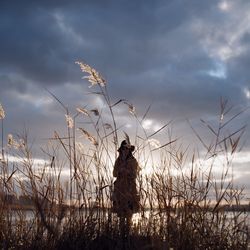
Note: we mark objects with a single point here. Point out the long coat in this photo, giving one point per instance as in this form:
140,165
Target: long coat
125,196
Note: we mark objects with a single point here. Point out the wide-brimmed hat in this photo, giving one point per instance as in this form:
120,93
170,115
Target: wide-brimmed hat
126,144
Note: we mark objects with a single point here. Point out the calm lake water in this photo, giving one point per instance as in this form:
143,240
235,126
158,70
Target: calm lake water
30,215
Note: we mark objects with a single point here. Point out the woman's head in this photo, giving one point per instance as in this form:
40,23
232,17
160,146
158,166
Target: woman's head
125,148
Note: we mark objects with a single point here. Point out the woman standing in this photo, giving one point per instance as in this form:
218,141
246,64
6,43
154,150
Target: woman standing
125,196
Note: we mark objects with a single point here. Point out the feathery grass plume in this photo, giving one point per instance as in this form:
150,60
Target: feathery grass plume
95,111
89,136
21,143
2,113
131,108
82,111
154,143
94,77
70,121
11,140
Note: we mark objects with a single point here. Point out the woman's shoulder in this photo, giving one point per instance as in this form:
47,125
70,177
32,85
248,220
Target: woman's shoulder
132,160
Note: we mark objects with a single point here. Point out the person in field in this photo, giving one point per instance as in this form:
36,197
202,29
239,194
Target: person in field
125,195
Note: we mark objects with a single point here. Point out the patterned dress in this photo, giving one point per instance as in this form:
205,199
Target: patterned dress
125,195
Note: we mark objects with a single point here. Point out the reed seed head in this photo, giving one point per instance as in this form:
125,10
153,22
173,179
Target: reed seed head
93,76
2,113
70,121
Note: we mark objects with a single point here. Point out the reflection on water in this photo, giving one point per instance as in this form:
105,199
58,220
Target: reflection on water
29,215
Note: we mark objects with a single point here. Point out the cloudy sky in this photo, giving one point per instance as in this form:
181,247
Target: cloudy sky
181,56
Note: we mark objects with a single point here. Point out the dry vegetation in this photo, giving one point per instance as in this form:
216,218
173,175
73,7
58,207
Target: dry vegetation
183,203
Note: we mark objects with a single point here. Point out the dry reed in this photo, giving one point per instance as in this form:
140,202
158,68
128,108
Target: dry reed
183,206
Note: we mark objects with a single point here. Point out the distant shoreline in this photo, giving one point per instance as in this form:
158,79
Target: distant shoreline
226,208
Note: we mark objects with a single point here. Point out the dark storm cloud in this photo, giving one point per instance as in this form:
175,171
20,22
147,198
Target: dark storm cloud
40,41
160,52
32,47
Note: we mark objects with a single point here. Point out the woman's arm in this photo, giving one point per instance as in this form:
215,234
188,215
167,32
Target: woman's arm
133,168
115,171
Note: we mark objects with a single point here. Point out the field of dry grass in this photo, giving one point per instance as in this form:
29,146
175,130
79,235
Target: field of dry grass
182,201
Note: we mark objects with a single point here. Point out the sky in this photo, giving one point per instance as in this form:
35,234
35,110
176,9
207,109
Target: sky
179,56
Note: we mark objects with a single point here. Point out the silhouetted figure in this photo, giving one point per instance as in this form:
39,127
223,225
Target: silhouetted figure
125,196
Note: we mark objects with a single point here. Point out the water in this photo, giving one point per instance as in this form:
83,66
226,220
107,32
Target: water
29,215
